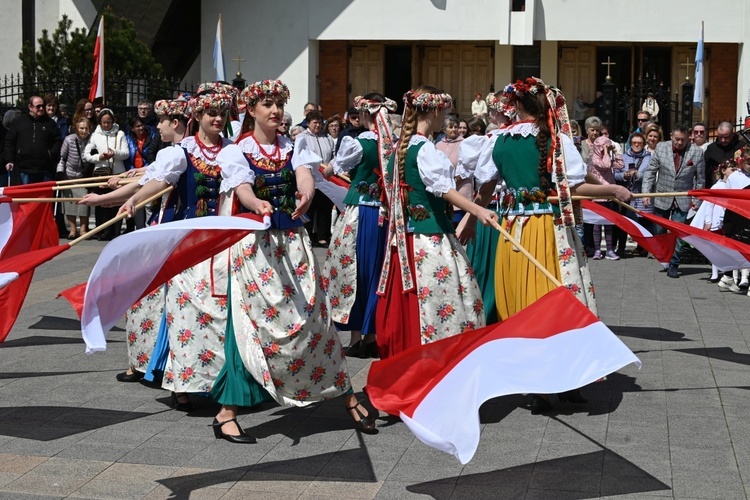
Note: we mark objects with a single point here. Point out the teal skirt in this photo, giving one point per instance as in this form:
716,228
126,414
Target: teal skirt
481,254
235,386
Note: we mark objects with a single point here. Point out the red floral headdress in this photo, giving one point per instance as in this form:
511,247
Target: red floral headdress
264,89
515,91
373,107
427,101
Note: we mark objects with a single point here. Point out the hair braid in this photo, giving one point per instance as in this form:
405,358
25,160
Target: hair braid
408,126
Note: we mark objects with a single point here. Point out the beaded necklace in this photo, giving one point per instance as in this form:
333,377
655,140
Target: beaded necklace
209,152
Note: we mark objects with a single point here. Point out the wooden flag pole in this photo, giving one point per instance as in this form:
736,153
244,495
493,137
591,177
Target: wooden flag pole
526,253
119,217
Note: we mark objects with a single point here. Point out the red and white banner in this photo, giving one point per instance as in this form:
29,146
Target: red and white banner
135,263
725,253
660,246
24,229
736,200
554,345
97,79
15,277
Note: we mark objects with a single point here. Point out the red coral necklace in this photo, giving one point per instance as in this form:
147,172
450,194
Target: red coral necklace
209,152
275,155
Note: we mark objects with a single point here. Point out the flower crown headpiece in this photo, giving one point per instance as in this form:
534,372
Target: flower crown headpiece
515,91
212,95
427,101
264,89
173,107
373,107
500,105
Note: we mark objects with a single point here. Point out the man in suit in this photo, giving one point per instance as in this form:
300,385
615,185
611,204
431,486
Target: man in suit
676,165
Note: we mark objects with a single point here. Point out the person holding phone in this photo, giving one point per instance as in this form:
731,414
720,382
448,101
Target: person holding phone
635,160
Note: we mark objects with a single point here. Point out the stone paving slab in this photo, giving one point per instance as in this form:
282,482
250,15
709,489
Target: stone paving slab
678,428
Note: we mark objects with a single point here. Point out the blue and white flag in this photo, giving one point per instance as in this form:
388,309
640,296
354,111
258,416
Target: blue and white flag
698,91
219,53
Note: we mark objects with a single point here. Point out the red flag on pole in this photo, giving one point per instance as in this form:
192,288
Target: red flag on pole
97,79
15,277
660,246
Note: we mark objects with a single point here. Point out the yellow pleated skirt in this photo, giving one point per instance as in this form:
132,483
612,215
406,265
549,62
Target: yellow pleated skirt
518,283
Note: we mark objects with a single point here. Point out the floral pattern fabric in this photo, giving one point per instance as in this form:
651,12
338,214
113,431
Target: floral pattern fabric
281,320
339,278
142,322
196,308
450,301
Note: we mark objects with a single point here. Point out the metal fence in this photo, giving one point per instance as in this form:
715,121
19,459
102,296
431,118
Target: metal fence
122,92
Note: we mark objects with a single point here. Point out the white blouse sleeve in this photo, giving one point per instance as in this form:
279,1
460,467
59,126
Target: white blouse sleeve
468,155
303,156
436,170
486,170
575,167
349,155
737,180
169,165
234,168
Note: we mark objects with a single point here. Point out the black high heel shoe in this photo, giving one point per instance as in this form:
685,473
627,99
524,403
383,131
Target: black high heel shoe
573,396
177,405
365,423
129,377
243,438
355,350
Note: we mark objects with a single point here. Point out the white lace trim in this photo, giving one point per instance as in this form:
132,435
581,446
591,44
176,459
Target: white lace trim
523,129
441,187
416,139
190,145
368,134
233,182
170,178
251,147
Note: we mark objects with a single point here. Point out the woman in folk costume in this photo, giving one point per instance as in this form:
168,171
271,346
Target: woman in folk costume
428,290
355,256
196,299
537,158
143,319
481,240
278,338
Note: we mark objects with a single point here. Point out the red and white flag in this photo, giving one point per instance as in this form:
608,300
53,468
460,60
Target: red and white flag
136,263
725,253
660,246
97,79
24,229
736,200
554,345
15,277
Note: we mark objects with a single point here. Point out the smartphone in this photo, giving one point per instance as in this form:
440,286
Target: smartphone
631,166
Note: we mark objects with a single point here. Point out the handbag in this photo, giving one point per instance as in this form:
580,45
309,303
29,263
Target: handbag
87,168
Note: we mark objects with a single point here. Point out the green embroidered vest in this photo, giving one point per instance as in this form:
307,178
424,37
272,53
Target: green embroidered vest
364,188
425,212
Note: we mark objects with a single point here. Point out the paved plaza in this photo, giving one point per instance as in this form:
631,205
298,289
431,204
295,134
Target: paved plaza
679,427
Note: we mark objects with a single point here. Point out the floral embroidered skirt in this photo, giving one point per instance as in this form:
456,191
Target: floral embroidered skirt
196,308
142,322
281,322
518,283
352,268
446,299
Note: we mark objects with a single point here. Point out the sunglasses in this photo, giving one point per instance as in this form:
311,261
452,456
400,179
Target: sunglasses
641,120
699,132
39,106
637,143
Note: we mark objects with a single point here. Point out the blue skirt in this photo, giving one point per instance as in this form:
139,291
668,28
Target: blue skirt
370,254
